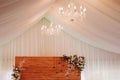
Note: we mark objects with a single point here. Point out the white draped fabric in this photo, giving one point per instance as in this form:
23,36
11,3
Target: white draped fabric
100,64
101,26
16,16
97,38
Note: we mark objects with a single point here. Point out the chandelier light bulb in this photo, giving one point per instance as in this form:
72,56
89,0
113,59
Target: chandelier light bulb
43,27
68,5
84,9
75,7
81,7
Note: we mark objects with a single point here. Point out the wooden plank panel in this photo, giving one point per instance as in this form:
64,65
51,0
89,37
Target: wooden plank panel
45,68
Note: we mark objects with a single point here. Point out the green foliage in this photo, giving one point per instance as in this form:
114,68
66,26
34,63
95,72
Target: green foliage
16,73
75,60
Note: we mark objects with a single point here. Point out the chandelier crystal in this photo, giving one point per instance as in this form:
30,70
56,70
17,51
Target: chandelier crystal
73,10
49,28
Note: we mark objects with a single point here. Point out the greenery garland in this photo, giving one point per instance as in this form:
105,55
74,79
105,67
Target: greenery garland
75,60
16,73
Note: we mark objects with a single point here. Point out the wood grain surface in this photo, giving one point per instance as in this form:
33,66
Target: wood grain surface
45,68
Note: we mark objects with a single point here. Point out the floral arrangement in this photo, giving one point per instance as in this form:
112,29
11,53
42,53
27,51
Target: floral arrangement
75,60
16,73
17,70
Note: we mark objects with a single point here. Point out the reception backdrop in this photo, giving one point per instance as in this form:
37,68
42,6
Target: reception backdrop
100,64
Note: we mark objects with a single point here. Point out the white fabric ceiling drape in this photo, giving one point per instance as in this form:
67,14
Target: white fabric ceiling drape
100,64
98,28
16,16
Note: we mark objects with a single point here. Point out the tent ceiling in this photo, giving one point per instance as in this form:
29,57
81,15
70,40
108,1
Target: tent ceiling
16,16
110,8
101,27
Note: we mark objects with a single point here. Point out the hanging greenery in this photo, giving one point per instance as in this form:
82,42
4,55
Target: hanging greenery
75,60
16,73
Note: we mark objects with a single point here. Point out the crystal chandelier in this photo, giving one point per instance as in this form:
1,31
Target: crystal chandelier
50,28
73,10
